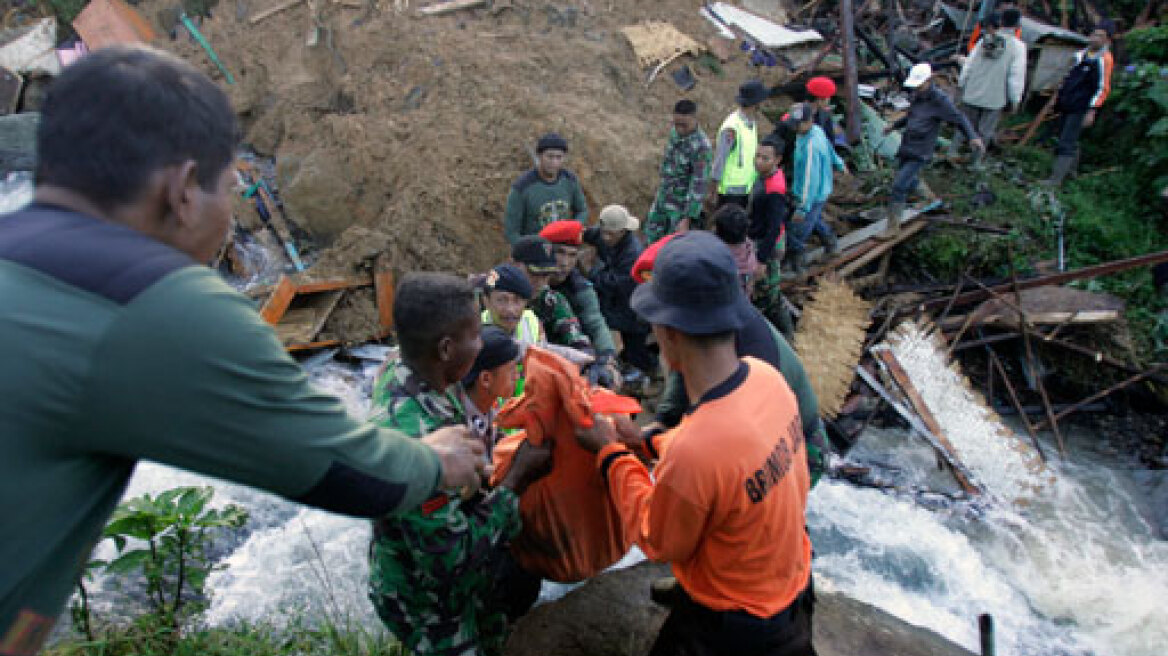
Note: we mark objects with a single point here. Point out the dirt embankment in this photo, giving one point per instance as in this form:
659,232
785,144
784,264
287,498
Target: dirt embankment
412,128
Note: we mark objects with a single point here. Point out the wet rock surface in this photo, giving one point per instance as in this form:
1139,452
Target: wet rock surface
612,615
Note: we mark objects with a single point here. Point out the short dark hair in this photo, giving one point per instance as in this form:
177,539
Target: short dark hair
428,307
685,107
1107,25
993,20
1011,18
112,119
731,224
775,142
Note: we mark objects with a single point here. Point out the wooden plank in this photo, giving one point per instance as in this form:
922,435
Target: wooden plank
277,304
883,248
318,306
918,403
1053,279
383,292
449,6
111,22
313,286
869,231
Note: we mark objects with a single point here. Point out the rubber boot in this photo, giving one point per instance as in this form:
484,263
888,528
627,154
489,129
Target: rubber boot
830,243
977,160
798,263
1058,173
895,212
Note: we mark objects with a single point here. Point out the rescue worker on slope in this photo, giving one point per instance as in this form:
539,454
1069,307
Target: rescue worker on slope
684,176
533,256
726,502
756,338
566,238
732,172
617,249
506,293
431,570
545,194
119,344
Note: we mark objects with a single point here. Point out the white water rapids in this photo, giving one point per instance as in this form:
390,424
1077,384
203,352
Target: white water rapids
1079,573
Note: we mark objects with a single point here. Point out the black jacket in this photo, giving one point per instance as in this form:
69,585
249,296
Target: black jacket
768,212
1080,85
923,122
613,279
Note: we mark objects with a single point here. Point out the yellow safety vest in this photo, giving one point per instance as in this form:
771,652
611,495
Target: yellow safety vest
528,332
738,174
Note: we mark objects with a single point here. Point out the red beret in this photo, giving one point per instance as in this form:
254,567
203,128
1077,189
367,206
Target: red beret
821,87
643,267
563,232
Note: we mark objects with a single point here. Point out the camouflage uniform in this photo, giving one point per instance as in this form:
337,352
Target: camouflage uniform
586,306
432,571
684,171
559,321
768,297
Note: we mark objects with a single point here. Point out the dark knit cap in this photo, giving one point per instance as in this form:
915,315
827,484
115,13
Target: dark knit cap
499,348
551,141
508,278
535,253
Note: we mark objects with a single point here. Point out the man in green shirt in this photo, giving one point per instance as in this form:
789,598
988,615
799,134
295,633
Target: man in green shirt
119,345
431,570
678,204
545,194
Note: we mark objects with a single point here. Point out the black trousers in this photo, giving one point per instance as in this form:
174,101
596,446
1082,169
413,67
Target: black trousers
1070,127
694,630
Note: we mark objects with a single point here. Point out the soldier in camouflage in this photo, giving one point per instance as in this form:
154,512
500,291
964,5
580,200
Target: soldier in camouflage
535,257
432,570
684,170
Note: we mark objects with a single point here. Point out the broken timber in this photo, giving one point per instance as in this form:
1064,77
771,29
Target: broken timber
911,418
914,398
298,309
1053,279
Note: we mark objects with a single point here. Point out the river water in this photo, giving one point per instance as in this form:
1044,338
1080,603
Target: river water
1077,573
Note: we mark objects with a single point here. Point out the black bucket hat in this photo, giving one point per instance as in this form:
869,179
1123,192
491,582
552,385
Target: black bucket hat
751,93
694,288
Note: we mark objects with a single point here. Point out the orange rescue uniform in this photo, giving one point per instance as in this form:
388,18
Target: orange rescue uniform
727,509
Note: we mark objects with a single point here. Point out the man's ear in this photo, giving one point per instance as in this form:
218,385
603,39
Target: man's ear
445,348
182,181
485,379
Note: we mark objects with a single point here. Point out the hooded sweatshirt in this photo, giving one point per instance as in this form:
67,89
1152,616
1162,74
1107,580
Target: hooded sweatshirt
995,73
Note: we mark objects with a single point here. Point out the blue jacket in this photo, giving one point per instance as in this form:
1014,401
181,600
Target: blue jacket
815,160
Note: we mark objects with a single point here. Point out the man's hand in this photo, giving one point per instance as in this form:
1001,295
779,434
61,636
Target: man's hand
1089,118
461,455
595,438
530,464
978,145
